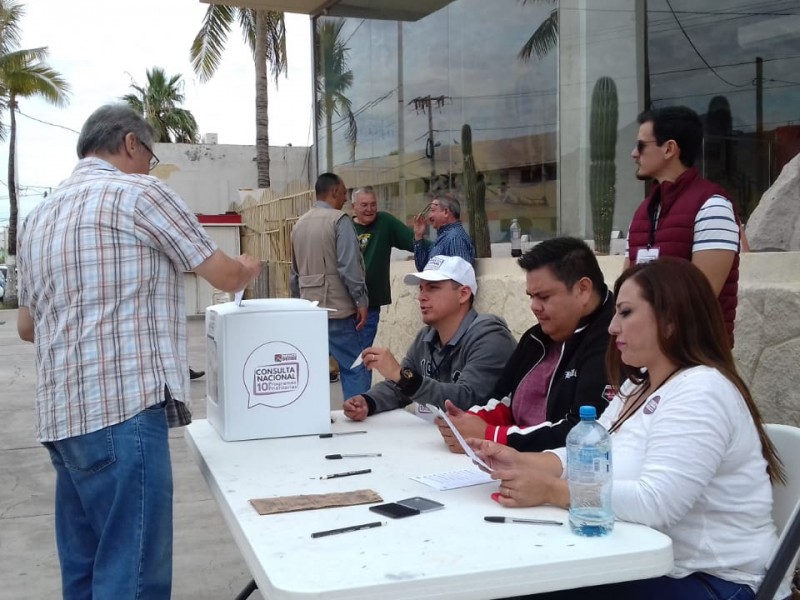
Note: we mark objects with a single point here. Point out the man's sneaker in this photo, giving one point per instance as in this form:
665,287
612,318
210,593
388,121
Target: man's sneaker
195,374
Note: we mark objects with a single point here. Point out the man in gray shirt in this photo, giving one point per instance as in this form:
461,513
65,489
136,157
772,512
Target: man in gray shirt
457,356
327,266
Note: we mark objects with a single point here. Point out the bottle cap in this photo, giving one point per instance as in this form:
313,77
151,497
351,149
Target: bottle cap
588,412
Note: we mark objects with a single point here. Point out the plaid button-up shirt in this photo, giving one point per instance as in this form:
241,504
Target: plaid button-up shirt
101,265
451,240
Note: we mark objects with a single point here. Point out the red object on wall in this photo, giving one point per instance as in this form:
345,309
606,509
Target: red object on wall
224,219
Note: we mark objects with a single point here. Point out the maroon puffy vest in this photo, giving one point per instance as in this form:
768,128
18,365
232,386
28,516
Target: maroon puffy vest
680,201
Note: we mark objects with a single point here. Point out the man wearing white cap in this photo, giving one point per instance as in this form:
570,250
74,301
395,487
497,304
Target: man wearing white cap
457,356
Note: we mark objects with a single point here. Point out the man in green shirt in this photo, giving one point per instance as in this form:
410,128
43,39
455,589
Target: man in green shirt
378,232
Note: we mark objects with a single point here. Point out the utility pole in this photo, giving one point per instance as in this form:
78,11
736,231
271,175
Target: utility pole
401,125
760,126
426,104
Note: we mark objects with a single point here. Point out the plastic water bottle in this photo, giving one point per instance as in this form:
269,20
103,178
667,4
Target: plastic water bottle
589,476
516,238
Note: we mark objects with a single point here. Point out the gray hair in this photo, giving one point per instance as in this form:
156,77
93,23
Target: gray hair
449,202
105,130
367,189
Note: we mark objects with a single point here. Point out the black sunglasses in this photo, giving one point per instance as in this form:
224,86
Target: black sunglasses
641,144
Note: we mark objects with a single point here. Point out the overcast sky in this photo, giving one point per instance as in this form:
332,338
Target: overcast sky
101,46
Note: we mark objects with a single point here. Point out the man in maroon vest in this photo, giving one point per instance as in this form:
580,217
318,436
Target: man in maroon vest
684,215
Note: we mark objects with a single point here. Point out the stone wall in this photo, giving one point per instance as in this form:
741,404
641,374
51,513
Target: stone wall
767,347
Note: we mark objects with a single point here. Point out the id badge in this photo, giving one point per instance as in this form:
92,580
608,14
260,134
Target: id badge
646,255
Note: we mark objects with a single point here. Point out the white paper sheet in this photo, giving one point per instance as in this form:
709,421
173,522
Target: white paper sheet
238,298
470,452
454,479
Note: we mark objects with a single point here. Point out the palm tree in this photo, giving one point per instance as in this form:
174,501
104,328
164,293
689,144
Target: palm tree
158,101
333,78
23,74
544,39
11,14
265,33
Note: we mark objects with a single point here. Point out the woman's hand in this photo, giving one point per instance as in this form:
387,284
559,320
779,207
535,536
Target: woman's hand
526,478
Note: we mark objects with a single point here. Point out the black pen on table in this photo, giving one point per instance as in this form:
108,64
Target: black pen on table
319,534
330,435
345,474
338,456
515,520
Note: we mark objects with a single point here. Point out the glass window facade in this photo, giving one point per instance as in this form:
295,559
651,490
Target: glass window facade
552,132
413,86
736,64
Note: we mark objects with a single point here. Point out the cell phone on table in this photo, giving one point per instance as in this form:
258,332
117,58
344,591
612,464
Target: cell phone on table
393,510
421,504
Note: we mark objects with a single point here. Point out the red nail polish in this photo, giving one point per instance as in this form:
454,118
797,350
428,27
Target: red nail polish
496,497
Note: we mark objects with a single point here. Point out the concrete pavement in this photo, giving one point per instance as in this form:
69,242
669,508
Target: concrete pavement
207,563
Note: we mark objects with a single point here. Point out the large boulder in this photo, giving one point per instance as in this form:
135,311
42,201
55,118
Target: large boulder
775,223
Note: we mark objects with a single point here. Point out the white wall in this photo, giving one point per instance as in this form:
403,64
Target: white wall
208,176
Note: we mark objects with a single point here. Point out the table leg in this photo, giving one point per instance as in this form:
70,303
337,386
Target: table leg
248,589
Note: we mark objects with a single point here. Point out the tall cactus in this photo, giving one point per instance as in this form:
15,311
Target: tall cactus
475,194
602,169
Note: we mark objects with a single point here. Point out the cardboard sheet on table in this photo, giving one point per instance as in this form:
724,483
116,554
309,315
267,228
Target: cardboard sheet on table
281,504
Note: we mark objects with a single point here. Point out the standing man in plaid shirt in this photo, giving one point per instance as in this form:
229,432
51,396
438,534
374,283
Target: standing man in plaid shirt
451,237
101,296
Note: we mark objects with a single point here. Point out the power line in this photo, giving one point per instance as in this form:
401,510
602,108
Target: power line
705,62
47,122
735,64
774,87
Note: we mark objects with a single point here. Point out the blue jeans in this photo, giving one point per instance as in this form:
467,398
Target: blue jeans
345,343
697,586
114,510
371,328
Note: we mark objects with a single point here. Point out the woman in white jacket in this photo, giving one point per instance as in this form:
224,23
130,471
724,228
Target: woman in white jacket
690,455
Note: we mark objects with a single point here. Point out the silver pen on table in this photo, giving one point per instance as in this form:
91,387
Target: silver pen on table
330,435
516,520
345,474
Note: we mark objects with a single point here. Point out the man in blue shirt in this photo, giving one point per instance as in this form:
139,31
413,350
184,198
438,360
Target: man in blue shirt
451,238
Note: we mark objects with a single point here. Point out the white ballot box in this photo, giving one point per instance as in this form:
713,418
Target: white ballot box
267,372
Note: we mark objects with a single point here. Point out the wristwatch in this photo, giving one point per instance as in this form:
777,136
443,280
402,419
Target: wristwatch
406,374
408,382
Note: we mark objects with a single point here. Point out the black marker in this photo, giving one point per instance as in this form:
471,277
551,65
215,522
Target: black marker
319,534
528,521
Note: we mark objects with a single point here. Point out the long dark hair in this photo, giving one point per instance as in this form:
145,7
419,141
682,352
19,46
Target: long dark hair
691,332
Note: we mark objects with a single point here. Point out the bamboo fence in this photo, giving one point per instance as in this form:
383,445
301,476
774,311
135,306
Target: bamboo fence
268,220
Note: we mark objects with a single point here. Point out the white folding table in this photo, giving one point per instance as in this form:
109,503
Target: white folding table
445,554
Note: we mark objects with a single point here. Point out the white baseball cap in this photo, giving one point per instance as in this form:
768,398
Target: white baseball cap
442,268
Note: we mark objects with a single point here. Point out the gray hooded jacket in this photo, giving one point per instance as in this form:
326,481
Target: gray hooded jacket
464,371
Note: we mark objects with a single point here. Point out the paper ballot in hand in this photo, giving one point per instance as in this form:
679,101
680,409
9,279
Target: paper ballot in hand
470,452
238,298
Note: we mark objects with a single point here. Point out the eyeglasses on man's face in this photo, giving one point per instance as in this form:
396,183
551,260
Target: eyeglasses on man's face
642,144
153,158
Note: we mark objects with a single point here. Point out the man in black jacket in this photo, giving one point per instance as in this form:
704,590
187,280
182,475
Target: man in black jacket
558,365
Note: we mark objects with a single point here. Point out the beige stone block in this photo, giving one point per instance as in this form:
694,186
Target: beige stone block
774,384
